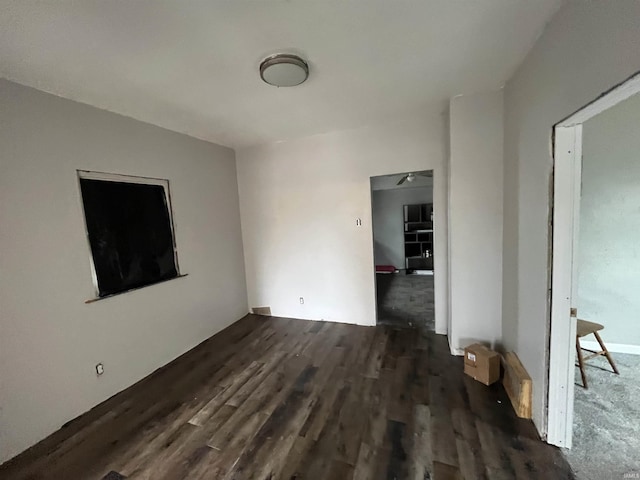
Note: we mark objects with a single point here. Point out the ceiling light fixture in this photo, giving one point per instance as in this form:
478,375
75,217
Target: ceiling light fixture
284,70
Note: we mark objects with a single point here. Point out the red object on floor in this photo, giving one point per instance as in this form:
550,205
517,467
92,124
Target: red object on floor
386,269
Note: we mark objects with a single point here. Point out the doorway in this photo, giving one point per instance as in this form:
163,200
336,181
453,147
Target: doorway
403,235
566,304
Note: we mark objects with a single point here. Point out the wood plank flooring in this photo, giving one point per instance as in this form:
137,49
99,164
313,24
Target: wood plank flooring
274,398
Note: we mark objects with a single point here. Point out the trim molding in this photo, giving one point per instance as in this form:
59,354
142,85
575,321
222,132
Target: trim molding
612,347
606,100
456,352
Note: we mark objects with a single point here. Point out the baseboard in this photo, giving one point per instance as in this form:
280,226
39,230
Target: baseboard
457,352
612,347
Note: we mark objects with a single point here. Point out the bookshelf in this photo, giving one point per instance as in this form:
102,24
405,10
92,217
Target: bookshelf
418,238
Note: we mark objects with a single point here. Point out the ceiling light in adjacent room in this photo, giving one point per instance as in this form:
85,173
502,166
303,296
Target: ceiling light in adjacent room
284,70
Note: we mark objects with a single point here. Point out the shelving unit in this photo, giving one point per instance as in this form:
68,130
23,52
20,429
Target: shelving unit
418,239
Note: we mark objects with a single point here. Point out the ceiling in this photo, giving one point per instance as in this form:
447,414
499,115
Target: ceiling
192,66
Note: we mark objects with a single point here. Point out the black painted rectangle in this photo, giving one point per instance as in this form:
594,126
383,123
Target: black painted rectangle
130,234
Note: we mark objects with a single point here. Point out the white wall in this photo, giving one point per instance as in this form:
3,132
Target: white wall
299,202
608,245
586,49
50,340
475,219
388,221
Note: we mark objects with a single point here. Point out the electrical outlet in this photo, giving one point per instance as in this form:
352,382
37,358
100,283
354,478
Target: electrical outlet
99,369
301,300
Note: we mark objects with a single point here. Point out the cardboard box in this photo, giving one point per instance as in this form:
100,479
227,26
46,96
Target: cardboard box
482,364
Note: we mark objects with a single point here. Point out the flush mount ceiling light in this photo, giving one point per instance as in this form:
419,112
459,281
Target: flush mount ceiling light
284,70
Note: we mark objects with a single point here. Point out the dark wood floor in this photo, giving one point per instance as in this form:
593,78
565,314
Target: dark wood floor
272,398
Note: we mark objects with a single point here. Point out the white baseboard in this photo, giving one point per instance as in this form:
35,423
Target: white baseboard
456,352
612,347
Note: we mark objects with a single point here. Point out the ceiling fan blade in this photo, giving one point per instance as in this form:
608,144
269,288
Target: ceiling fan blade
402,180
426,174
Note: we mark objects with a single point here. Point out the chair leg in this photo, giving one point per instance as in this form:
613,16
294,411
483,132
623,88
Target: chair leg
606,353
581,364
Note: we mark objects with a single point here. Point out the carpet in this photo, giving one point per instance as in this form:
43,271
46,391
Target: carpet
405,300
606,428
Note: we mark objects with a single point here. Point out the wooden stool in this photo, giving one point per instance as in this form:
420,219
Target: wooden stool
586,328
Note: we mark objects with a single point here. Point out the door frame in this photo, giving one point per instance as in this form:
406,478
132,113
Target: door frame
440,223
567,178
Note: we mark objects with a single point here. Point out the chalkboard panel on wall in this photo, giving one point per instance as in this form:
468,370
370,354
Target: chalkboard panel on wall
130,233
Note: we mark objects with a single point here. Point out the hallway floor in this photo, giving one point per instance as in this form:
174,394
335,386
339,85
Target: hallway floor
405,300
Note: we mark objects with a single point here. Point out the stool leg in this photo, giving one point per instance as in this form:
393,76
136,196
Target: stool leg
581,363
606,353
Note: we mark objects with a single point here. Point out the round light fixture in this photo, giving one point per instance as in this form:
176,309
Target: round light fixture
284,70
411,177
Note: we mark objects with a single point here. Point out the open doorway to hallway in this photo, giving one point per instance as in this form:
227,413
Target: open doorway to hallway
403,234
